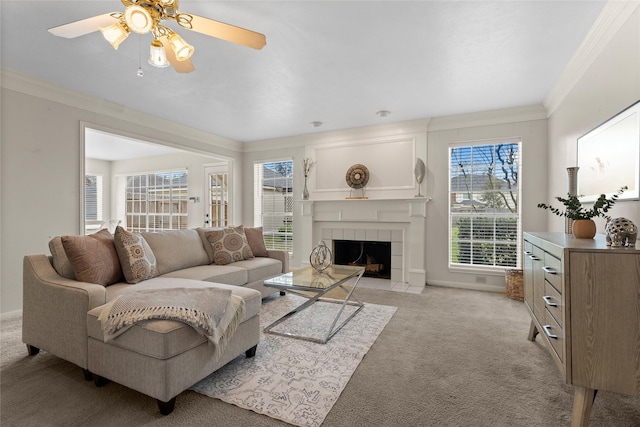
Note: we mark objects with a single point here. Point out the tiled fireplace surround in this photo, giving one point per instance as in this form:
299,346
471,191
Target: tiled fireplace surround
399,221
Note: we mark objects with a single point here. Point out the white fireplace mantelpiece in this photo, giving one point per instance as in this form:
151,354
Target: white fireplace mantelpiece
404,219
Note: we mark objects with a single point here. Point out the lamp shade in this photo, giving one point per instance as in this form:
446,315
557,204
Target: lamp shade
138,19
157,56
115,34
182,50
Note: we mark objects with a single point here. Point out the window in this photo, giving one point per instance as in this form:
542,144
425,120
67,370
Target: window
484,207
273,203
157,201
217,214
93,198
93,203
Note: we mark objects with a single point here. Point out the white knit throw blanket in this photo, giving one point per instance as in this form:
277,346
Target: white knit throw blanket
214,313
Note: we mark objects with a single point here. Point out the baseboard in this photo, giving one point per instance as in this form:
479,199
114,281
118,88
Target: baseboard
11,315
469,286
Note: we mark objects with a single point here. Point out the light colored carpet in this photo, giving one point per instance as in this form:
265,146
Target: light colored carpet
447,358
294,380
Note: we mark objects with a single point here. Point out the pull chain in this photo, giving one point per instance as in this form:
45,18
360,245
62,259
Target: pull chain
140,71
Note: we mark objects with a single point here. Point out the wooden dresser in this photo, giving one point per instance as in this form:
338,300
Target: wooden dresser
584,301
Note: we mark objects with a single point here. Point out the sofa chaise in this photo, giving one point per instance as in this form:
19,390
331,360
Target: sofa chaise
160,358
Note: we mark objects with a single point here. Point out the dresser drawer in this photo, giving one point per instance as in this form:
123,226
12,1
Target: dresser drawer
553,271
554,334
553,303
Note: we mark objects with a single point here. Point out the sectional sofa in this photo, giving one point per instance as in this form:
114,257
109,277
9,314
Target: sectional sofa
65,293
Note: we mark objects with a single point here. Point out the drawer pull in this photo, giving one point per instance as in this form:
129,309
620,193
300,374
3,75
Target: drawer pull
528,252
533,257
549,270
547,300
547,330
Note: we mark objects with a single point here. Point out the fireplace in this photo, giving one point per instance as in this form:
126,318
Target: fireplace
400,222
374,256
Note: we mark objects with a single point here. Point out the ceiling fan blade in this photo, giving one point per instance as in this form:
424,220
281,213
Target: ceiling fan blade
180,66
228,32
82,27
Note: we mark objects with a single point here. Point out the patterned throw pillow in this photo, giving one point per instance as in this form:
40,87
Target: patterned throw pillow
93,258
136,257
229,245
256,241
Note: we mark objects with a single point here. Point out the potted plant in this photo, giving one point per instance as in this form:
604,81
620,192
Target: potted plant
583,225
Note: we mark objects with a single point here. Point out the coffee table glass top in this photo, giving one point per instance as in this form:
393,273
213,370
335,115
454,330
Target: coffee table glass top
309,278
308,283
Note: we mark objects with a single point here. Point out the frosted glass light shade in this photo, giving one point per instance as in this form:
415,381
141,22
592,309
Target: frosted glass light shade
157,56
138,19
182,49
115,34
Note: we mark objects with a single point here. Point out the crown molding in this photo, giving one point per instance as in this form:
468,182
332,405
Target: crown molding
612,18
27,85
488,118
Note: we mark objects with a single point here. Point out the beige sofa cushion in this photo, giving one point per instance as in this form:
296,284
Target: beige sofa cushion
227,274
93,257
176,249
136,257
163,339
260,268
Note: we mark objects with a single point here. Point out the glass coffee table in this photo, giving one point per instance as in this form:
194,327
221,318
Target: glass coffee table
314,286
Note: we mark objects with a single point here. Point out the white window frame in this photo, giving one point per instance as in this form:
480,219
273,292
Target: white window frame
271,210
479,212
169,217
219,196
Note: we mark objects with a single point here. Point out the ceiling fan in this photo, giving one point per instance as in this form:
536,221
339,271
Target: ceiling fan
167,47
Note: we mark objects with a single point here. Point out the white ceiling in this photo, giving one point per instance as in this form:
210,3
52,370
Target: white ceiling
337,62
106,146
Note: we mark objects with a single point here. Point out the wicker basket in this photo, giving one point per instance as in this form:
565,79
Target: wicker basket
515,288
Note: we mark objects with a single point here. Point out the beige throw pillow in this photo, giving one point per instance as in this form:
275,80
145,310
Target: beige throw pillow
60,260
136,257
229,245
93,258
256,241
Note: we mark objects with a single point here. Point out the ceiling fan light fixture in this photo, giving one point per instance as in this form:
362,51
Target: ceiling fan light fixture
138,19
115,34
182,49
157,56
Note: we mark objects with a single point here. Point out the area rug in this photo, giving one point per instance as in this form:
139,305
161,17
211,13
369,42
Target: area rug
293,380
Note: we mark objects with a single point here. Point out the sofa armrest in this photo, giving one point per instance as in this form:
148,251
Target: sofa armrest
282,256
54,310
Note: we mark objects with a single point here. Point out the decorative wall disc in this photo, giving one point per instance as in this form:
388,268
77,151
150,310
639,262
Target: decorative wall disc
357,176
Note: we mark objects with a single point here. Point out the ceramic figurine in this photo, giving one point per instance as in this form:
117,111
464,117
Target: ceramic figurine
621,232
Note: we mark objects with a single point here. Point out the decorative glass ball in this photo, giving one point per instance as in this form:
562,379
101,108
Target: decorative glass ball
320,258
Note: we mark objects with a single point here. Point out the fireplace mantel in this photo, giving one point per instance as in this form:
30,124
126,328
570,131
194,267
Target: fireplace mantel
402,221
366,208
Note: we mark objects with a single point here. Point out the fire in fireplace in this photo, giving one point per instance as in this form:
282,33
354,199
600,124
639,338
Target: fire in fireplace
375,257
